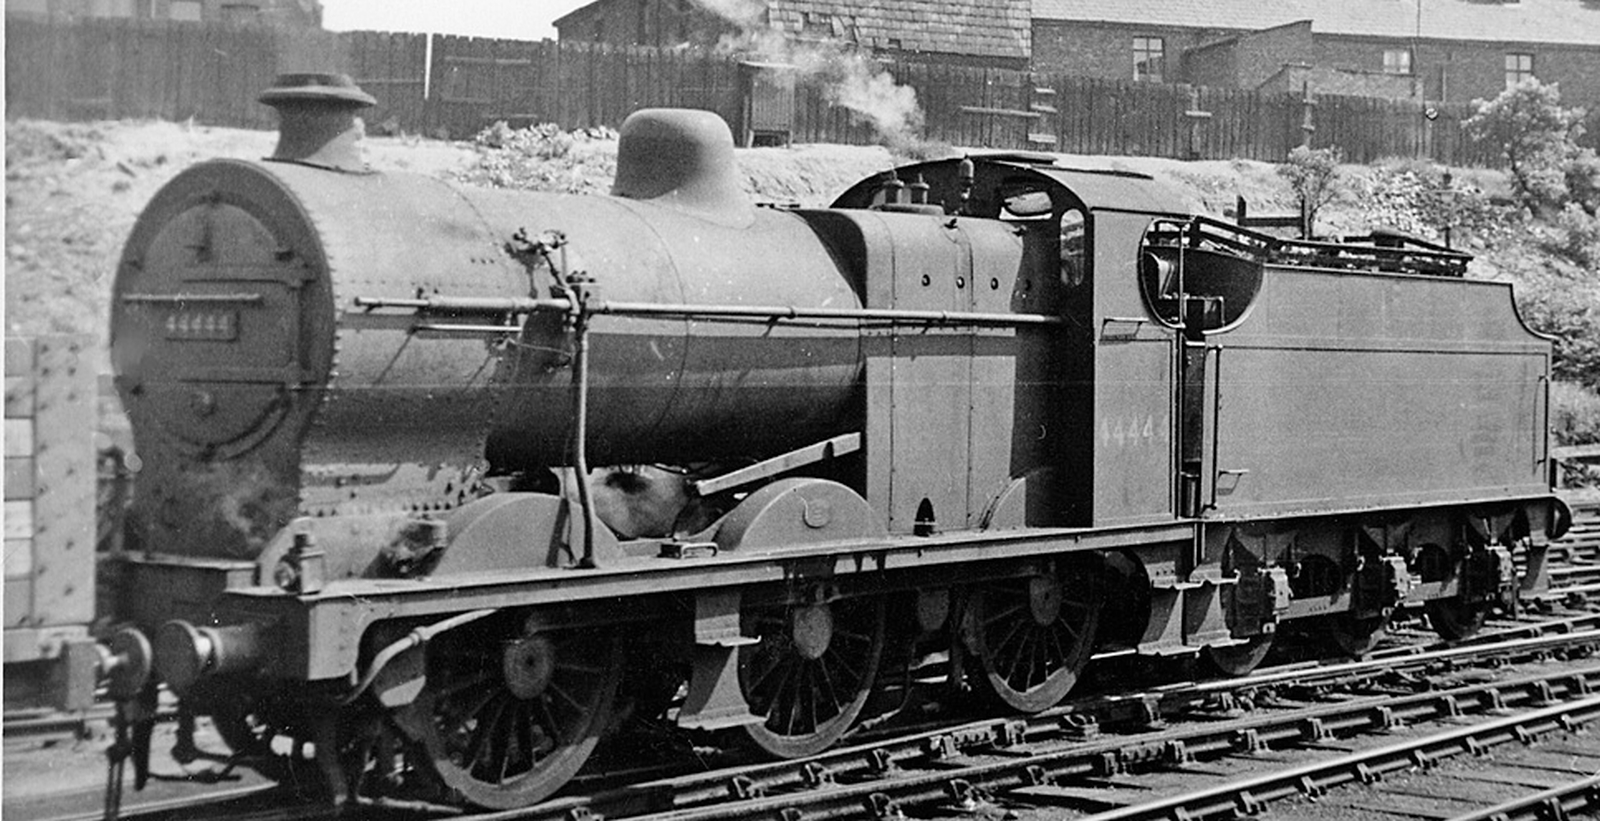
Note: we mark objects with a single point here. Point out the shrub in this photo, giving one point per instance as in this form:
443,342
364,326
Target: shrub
1583,179
1574,414
1567,308
1576,236
1313,173
542,158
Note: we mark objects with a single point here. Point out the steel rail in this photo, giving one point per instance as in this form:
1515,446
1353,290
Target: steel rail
1556,802
168,809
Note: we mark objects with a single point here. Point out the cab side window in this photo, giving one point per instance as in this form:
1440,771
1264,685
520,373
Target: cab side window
1074,248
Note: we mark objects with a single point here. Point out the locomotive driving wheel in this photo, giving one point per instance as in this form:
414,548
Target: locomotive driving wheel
1453,618
1032,635
810,674
507,729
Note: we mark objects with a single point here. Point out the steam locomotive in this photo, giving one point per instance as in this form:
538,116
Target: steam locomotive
1020,411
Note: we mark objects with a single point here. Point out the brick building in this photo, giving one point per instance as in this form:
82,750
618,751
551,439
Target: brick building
1446,50
971,32
293,13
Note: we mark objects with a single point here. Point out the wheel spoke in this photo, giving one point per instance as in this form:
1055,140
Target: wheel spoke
840,661
1016,661
559,692
481,742
590,670
1016,634
758,684
552,726
456,687
827,694
1004,615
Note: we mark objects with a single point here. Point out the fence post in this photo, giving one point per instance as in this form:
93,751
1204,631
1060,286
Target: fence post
1308,120
1197,118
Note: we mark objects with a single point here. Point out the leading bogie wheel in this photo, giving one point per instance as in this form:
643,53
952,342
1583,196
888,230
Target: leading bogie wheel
512,710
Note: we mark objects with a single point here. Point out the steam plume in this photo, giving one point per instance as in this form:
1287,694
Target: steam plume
850,78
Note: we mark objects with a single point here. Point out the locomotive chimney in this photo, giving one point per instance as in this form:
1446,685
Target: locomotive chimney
317,123
683,159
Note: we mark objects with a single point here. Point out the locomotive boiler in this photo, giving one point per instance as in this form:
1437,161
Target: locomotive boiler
986,403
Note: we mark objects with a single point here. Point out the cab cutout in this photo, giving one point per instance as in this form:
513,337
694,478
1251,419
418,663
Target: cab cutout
1194,284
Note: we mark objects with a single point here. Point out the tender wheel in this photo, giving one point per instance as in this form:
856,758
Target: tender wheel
1356,637
507,729
1239,659
811,672
1032,636
1453,618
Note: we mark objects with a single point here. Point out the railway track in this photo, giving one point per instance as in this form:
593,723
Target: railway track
1043,761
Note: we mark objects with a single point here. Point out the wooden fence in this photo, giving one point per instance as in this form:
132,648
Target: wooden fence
455,86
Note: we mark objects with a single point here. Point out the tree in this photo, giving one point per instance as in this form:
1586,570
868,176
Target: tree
1537,137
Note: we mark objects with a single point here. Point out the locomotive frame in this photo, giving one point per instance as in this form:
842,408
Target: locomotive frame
1051,406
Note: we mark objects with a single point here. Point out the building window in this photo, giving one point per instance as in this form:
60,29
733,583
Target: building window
1149,59
1519,67
185,10
107,8
816,23
239,12
1397,61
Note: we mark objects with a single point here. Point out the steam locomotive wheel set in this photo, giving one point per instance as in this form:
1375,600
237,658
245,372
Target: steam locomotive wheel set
446,481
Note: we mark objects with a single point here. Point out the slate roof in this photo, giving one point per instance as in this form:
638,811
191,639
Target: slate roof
987,28
1571,22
